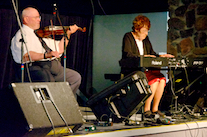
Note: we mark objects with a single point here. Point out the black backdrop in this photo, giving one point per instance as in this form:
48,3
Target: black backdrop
79,50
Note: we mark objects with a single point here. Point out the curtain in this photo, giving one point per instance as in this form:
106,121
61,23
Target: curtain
78,52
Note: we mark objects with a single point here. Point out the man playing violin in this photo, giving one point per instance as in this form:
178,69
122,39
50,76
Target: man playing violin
45,66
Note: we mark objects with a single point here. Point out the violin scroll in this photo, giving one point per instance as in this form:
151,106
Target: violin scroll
82,29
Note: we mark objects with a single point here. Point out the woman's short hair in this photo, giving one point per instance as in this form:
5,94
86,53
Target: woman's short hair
140,21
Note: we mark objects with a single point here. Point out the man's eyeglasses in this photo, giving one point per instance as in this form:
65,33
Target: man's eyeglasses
36,17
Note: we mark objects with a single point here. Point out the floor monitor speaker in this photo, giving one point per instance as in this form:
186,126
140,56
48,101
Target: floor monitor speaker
39,109
122,99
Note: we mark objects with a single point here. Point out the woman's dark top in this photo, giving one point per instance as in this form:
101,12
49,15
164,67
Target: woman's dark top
130,53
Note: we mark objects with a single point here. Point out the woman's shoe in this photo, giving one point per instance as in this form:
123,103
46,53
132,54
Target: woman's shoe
159,113
149,114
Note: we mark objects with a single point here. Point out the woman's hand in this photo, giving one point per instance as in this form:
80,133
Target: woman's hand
153,56
167,56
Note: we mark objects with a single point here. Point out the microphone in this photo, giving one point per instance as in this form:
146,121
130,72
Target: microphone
54,9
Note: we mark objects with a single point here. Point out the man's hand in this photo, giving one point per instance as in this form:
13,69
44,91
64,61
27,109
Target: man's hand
73,29
52,54
39,56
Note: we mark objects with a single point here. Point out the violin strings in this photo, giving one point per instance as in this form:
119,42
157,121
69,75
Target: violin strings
53,34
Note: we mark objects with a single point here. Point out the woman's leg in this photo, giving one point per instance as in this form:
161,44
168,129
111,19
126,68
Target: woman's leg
158,95
148,102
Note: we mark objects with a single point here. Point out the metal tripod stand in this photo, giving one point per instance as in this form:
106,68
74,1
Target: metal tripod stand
184,91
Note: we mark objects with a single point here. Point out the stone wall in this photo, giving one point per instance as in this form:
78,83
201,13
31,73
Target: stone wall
187,33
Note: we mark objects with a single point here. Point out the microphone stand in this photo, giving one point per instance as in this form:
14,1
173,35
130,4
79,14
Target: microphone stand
23,41
65,37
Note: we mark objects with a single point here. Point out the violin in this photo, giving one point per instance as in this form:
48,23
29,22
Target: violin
46,32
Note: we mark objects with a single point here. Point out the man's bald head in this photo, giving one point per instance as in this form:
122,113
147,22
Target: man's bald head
31,17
